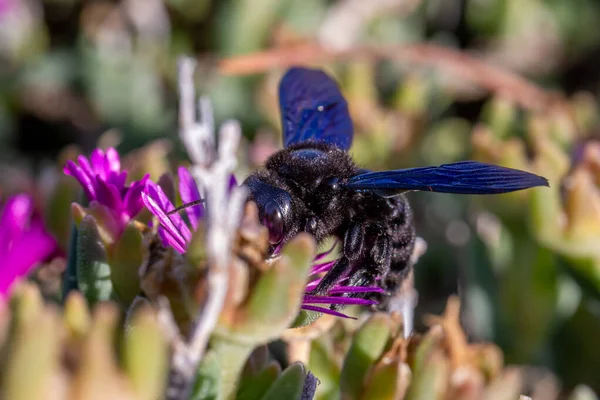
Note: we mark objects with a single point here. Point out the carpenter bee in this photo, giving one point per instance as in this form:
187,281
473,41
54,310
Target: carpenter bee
313,186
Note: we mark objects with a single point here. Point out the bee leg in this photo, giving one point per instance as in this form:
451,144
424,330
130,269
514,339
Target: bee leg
354,240
375,264
332,277
366,269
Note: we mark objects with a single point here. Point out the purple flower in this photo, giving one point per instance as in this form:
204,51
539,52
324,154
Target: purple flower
24,242
104,182
176,233
5,7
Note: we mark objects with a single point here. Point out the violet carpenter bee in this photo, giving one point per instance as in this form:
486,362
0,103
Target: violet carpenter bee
313,185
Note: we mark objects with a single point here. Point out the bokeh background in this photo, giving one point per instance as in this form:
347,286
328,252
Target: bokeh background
78,74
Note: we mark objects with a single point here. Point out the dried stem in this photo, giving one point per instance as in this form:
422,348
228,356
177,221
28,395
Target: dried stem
463,66
212,169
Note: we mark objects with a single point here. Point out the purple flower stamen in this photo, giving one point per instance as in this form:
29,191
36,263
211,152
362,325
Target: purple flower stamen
24,242
335,295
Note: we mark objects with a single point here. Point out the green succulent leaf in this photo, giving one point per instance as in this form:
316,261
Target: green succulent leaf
206,386
93,270
256,387
289,385
124,264
146,355
367,346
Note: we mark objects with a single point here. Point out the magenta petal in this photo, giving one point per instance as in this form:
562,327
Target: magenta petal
169,240
232,182
337,300
324,310
35,246
159,204
312,284
356,289
118,180
112,159
15,217
171,233
99,163
108,195
318,268
133,199
86,167
84,179
189,192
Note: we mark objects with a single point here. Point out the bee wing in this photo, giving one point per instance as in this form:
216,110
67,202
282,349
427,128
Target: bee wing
313,108
465,177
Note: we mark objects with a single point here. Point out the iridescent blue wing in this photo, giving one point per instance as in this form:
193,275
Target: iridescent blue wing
313,108
465,177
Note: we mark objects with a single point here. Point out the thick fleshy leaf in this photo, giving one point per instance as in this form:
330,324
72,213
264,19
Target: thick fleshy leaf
275,300
125,261
367,346
77,315
256,386
146,354
208,378
93,271
289,385
34,357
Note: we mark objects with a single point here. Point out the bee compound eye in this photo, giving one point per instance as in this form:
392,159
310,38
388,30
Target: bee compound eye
273,220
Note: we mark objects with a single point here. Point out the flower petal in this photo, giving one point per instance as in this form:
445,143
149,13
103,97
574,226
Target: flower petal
33,247
308,299
108,195
232,183
85,165
84,179
118,180
15,219
188,190
170,233
169,240
132,203
324,310
112,160
318,268
16,215
159,204
99,163
356,289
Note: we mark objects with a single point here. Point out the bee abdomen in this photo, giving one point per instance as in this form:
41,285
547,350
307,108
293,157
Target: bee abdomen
403,236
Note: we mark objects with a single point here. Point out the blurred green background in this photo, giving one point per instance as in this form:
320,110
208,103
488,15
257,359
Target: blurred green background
527,265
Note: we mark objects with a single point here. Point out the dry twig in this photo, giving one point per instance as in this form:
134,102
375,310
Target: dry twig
461,65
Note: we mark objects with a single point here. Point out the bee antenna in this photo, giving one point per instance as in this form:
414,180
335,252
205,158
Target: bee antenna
184,206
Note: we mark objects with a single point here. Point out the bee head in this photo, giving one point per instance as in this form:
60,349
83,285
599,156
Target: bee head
275,209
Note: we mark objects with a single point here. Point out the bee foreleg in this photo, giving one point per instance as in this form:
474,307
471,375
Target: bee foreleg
354,239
